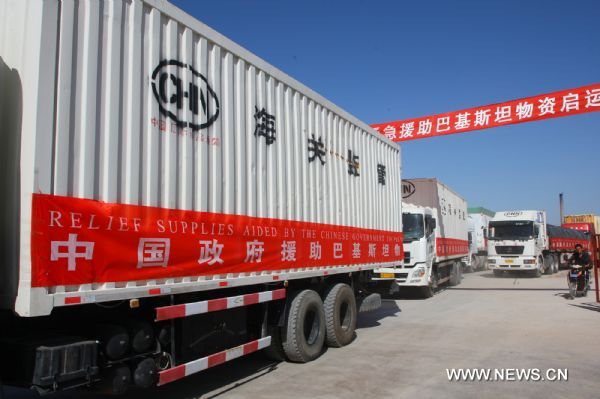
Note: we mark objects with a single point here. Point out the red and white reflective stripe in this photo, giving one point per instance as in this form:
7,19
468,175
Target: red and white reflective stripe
195,366
213,305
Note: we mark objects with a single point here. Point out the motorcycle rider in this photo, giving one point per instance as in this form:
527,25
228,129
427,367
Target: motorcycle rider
582,258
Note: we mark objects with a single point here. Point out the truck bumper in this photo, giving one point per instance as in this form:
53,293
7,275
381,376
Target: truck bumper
415,276
512,263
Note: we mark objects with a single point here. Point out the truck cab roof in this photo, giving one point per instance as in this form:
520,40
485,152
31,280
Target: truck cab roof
532,215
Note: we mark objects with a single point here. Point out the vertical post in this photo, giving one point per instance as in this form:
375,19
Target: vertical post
595,258
562,208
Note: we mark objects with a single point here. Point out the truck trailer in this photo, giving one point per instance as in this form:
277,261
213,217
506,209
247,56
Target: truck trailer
436,246
524,241
479,219
171,201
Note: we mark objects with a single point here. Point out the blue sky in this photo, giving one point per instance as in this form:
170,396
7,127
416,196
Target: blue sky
390,60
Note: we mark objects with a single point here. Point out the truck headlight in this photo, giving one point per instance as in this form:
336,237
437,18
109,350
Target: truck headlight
529,261
419,272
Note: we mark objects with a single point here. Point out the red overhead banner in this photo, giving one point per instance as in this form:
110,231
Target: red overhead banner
81,241
553,105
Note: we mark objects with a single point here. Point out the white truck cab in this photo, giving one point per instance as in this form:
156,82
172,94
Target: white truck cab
420,225
517,241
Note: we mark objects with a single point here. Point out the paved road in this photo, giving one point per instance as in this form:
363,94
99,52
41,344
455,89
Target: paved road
403,349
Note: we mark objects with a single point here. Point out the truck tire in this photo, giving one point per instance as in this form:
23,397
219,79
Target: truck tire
275,350
549,264
427,292
455,274
304,328
340,315
476,263
556,263
538,269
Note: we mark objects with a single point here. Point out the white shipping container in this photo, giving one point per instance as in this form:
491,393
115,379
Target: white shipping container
479,220
136,102
451,209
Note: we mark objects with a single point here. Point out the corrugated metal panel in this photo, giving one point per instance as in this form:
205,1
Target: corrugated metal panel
99,132
106,147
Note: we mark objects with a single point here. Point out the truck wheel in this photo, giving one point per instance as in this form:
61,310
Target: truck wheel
538,270
427,292
455,274
549,264
340,315
478,263
556,263
305,327
275,350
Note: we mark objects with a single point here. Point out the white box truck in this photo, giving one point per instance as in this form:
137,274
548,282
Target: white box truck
479,219
434,219
170,201
523,241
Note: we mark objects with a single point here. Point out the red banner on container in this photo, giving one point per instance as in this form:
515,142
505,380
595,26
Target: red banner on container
568,244
553,105
79,241
451,247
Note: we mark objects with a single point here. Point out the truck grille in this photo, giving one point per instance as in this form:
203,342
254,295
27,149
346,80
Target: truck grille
510,250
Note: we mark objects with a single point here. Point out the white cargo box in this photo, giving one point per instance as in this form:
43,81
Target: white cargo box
115,111
452,225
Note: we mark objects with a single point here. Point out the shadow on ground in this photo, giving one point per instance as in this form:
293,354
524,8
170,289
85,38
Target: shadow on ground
506,289
565,295
389,308
512,274
589,306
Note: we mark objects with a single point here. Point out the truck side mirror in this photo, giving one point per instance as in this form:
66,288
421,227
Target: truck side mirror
433,224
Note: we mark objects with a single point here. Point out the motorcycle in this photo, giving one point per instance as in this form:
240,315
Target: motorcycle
579,281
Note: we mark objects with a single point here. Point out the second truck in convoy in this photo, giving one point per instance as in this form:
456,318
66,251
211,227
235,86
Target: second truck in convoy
479,219
524,241
434,219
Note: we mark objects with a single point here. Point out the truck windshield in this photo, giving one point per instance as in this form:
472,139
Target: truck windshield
511,230
412,226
